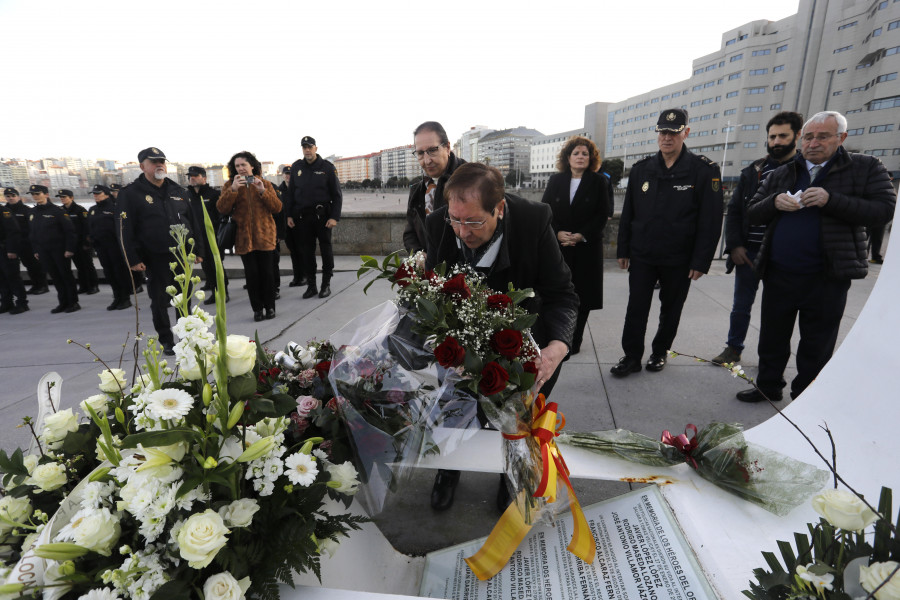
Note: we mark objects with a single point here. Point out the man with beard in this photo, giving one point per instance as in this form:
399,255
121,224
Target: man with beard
149,206
741,240
204,195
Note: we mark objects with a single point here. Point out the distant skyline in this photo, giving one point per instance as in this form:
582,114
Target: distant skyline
202,80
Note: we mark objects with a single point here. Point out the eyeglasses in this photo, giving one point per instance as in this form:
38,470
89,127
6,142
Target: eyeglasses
470,224
429,151
822,137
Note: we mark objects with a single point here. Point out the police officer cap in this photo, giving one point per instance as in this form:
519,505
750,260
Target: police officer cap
115,187
285,169
100,189
308,141
35,189
10,192
672,119
194,170
151,153
65,192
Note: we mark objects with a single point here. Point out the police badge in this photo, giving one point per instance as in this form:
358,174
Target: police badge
715,185
646,186
149,199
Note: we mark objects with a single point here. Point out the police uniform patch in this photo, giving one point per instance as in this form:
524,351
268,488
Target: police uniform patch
715,185
682,188
670,116
155,151
124,215
646,186
149,199
31,217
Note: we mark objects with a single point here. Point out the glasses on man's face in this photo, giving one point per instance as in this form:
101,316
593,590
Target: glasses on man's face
819,137
420,154
470,224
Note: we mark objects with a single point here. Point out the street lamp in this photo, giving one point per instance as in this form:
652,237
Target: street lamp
722,170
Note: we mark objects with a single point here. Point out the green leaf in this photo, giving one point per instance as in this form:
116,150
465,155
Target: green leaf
428,307
76,442
176,589
190,483
787,552
161,438
243,387
773,563
524,321
262,405
14,464
472,363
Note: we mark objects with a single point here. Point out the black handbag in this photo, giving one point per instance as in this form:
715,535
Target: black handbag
227,232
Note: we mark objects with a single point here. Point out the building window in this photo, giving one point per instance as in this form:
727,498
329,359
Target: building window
876,32
749,127
863,66
705,117
696,87
778,68
896,151
855,110
721,63
742,37
737,57
837,93
731,94
734,76
749,144
858,131
752,109
881,128
676,94
759,71
666,97
730,111
761,52
775,106
891,51
847,25
893,25
709,84
841,71
695,103
744,163
710,67
759,90
707,101
778,86
883,103
844,49
697,71
781,49
861,88
730,42
728,129
879,152
887,77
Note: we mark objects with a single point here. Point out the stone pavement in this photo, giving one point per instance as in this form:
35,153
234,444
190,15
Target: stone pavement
685,392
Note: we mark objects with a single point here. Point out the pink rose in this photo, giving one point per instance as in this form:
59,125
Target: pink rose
305,377
300,422
306,404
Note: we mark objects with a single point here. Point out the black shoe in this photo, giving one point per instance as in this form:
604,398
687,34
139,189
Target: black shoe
227,296
37,291
18,309
503,499
626,366
114,304
270,313
277,295
245,286
656,362
326,291
295,283
876,260
310,292
58,309
208,287
168,350
139,289
6,308
730,355
258,315
755,395
123,304
73,308
91,291
210,300
444,489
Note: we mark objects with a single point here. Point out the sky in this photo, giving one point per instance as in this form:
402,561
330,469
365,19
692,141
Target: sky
205,79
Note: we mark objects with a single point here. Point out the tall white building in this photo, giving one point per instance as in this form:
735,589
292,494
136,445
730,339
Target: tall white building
399,162
544,151
468,142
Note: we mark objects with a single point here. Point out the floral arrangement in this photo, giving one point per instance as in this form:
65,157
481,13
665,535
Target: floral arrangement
190,483
838,559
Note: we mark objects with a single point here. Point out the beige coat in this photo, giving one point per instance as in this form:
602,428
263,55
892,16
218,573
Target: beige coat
253,215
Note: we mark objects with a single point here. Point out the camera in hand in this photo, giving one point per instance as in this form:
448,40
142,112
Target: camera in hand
248,180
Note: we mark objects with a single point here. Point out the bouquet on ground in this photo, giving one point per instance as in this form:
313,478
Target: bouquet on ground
852,553
202,492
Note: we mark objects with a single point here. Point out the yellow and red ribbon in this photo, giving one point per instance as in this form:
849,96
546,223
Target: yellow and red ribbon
684,443
511,529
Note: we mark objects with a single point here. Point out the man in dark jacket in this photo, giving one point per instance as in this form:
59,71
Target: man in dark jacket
432,149
149,206
22,214
102,227
294,248
54,238
12,290
815,209
741,240
509,240
204,195
84,256
313,209
668,230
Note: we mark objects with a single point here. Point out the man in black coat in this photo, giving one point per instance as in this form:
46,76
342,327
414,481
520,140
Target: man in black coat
815,208
668,230
102,228
741,240
204,195
54,238
312,209
149,206
22,213
295,249
432,149
12,291
509,240
83,259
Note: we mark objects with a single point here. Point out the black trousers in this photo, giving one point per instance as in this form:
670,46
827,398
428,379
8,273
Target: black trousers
114,268
276,265
876,239
312,228
160,277
84,264
59,268
260,279
580,323
209,265
12,290
674,285
36,273
818,305
295,247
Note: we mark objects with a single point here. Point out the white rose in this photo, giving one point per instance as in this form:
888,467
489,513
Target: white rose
223,586
97,402
30,462
112,381
241,354
201,537
240,512
57,426
142,382
872,576
328,547
843,510
14,509
96,529
345,476
306,357
48,476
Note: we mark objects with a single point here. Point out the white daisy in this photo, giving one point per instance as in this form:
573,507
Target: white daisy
169,403
301,469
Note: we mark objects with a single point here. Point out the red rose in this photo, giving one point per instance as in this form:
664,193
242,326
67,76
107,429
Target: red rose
530,367
507,342
403,276
430,276
323,368
493,379
498,301
449,353
456,287
365,367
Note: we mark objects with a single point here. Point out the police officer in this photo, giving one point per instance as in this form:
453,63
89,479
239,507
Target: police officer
204,195
12,291
296,249
313,209
101,229
54,238
83,259
22,214
668,230
136,276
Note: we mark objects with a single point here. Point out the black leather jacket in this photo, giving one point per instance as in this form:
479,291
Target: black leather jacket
414,234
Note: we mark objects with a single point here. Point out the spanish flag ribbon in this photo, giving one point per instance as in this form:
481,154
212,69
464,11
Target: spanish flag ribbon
511,529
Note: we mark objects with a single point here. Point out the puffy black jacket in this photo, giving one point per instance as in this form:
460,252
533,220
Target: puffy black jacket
860,196
737,225
414,233
311,186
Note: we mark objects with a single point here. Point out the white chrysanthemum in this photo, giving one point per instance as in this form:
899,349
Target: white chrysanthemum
100,594
301,469
169,403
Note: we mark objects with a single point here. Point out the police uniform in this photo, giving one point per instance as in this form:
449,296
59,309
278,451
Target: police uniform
12,290
207,196
36,275
147,212
292,243
137,277
83,259
102,230
670,224
53,235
